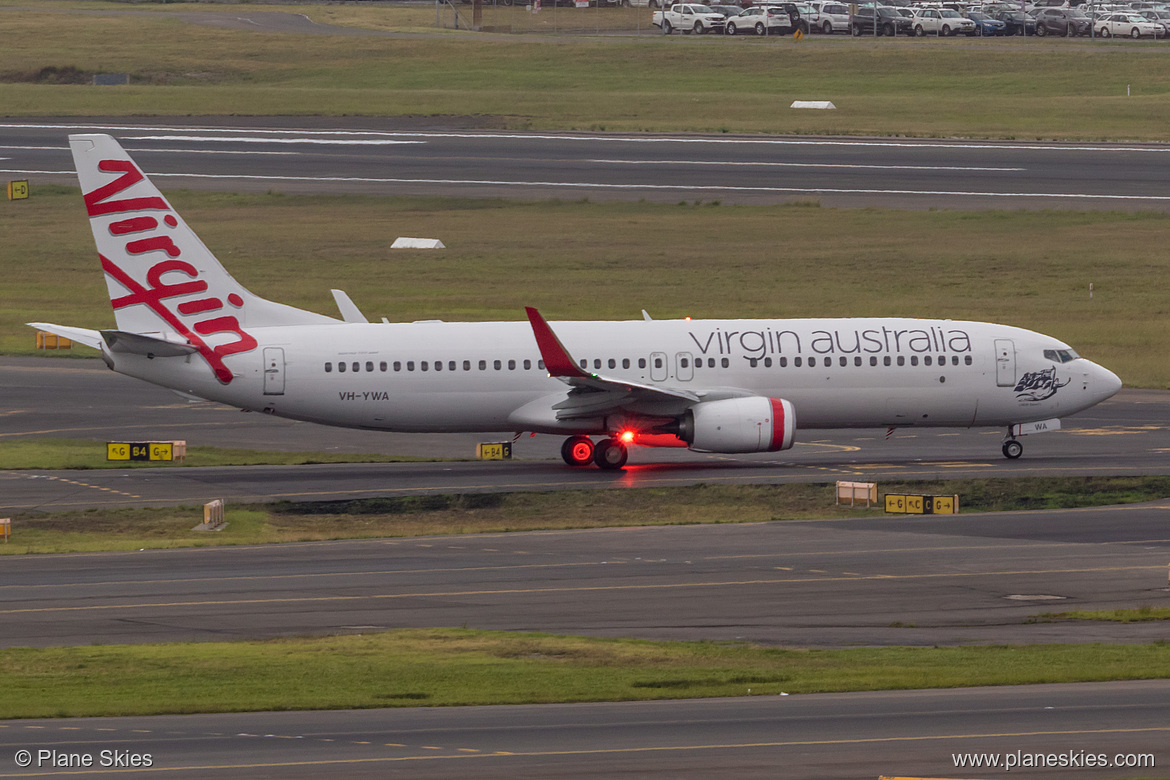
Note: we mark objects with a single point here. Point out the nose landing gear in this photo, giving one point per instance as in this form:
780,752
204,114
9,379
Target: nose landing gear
1012,449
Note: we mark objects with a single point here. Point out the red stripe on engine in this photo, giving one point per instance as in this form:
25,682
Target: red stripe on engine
778,424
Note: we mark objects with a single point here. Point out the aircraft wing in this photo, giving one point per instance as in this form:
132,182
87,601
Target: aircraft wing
596,394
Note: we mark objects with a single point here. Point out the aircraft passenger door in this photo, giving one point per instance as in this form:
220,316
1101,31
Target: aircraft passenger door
658,367
684,366
1005,362
273,371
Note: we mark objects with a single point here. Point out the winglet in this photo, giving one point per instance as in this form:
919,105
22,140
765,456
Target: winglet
556,358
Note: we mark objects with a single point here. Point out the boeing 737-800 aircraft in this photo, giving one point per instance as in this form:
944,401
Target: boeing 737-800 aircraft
711,385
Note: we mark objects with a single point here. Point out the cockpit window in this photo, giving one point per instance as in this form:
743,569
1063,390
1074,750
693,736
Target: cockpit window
1060,355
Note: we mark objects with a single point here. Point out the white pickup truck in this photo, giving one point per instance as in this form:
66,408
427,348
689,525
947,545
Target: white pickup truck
689,18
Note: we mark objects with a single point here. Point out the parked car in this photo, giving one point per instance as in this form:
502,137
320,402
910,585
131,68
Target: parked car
761,20
985,25
1127,24
1062,21
941,21
881,20
830,17
1017,23
689,18
1158,17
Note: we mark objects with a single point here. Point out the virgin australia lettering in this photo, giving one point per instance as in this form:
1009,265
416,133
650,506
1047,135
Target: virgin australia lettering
183,322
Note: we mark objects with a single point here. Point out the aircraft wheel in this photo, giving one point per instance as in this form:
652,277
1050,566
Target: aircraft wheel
1012,449
610,454
577,450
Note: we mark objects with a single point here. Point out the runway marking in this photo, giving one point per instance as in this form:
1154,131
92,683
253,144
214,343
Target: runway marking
645,187
605,751
766,164
905,144
575,589
81,484
269,140
248,152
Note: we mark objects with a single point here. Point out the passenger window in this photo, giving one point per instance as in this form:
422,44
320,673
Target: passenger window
584,363
725,362
597,362
642,363
397,366
422,365
752,362
796,362
913,360
954,360
410,365
767,362
812,362
527,365
886,360
783,362
857,361
382,366
612,363
682,362
967,359
625,362
341,367
901,360
328,368
451,365
466,365
926,360
497,365
873,360
658,362
540,364
483,365
370,366
710,362
844,361
438,365
357,367
511,365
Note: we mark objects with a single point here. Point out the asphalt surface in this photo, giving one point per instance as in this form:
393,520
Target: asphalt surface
448,156
828,736
82,399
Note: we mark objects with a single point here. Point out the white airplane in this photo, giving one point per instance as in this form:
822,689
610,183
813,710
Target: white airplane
729,386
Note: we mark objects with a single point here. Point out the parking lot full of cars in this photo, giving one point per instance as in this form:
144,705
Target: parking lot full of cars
1063,18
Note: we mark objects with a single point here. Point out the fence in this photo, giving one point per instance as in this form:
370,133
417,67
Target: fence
547,16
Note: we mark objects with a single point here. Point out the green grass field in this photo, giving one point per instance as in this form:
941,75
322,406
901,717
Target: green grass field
1030,269
426,515
971,88
448,667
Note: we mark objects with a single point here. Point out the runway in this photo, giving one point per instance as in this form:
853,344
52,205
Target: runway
393,156
823,737
82,399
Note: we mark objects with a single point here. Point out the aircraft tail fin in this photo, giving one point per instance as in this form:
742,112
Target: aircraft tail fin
162,280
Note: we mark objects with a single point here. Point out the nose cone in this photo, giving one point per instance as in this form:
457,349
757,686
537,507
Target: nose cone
1103,383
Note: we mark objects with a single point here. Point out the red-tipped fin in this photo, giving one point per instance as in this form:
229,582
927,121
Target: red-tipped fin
556,358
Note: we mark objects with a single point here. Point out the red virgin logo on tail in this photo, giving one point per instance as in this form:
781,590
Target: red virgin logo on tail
158,290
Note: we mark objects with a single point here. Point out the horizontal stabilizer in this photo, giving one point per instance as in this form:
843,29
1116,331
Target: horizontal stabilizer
151,346
90,338
349,310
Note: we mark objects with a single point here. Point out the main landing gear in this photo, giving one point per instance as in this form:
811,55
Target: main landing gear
608,454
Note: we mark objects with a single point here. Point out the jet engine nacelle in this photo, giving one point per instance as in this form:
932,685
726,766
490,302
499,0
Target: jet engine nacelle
753,424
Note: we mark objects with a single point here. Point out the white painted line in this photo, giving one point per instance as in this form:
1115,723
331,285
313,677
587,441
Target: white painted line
249,152
804,165
247,140
666,187
905,143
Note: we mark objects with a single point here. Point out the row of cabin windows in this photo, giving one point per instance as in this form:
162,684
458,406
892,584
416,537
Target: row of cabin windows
827,362
424,365
498,365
